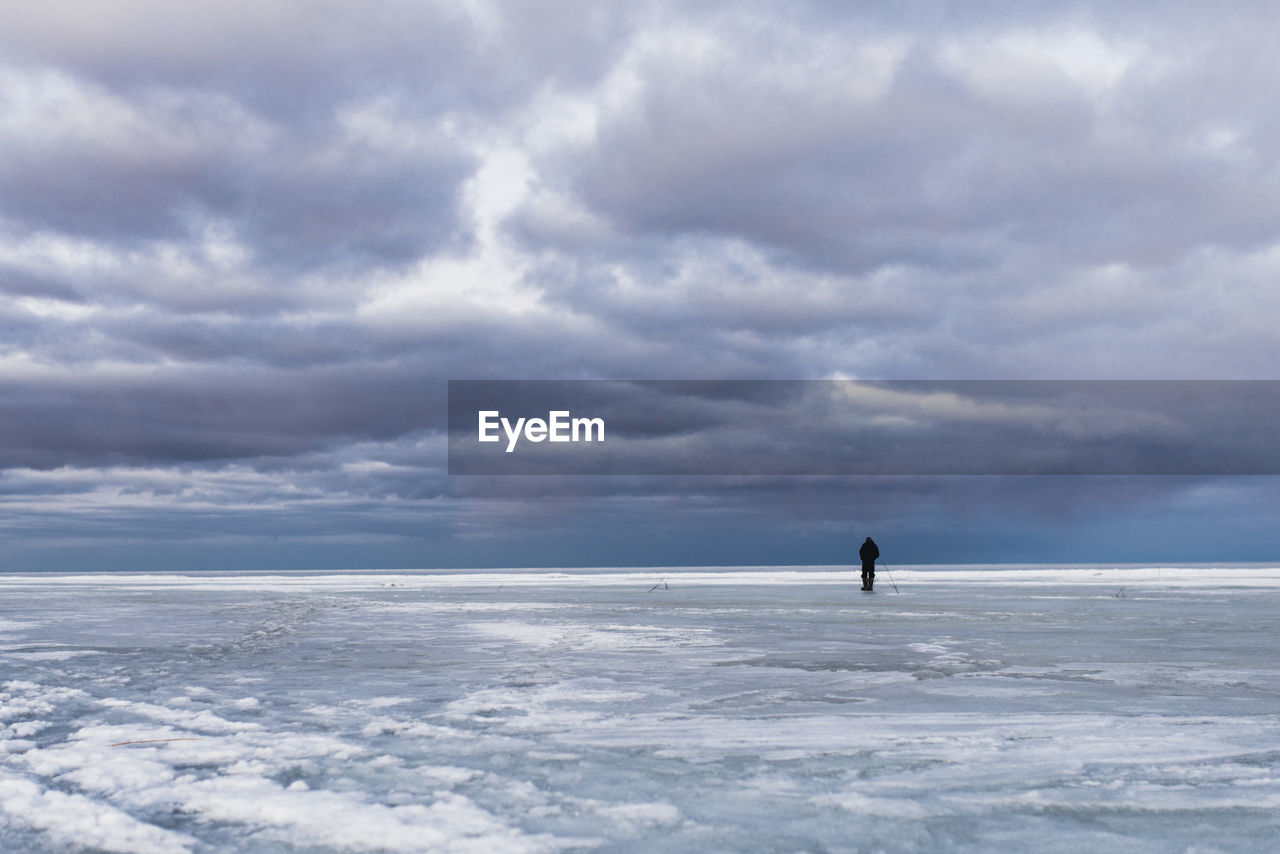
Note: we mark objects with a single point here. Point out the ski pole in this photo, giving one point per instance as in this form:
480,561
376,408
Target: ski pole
886,572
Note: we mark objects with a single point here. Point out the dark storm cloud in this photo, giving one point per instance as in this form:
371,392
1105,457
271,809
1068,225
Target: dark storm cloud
167,166
863,146
949,190
762,427
136,388
243,246
331,140
284,62
201,415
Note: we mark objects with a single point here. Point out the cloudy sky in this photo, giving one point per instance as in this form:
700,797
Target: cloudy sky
245,245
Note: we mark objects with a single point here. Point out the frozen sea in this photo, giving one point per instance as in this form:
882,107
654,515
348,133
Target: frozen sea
1132,709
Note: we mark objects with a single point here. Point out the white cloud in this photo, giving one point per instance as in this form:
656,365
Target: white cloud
1027,65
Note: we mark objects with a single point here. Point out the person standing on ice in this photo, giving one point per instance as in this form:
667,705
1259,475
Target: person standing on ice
869,552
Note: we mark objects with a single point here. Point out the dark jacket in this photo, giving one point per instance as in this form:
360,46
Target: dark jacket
869,553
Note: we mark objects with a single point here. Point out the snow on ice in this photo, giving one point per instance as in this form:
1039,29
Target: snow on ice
979,709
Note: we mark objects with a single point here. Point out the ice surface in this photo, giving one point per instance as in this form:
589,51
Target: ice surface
1125,709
